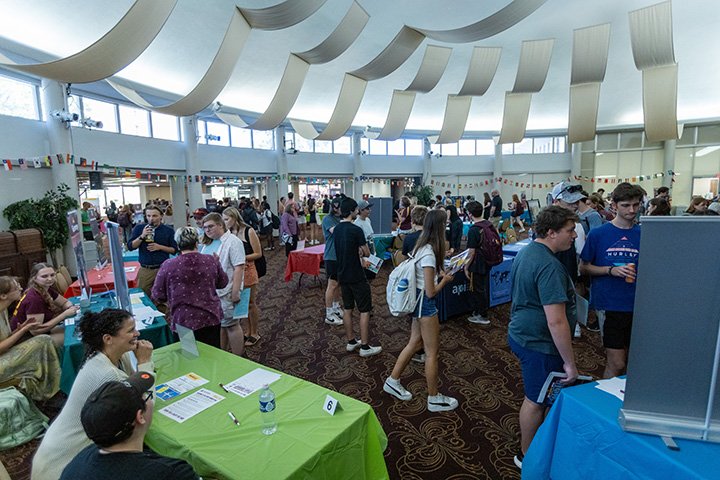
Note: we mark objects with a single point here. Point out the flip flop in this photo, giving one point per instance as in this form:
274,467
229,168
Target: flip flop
251,341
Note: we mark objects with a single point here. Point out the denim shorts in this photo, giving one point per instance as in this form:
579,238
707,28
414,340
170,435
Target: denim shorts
536,366
425,307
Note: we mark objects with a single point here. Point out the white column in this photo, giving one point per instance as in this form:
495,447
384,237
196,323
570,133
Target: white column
357,167
576,160
179,197
60,141
497,166
282,168
427,163
192,164
669,163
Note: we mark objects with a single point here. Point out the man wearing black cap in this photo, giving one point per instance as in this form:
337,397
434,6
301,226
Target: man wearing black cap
116,418
333,312
350,243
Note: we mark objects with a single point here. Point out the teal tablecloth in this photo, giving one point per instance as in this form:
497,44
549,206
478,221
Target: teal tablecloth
158,334
309,443
381,243
581,438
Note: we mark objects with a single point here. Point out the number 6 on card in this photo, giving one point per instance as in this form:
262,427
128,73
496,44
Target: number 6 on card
330,405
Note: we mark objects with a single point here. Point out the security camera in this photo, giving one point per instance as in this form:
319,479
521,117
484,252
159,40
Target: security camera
214,138
363,152
64,116
90,123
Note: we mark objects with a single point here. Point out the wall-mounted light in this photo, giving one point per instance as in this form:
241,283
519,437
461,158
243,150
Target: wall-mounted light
65,117
90,123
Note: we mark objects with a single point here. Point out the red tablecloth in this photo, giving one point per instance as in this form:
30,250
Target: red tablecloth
304,261
103,280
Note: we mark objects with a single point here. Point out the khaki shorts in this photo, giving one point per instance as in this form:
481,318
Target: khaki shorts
228,308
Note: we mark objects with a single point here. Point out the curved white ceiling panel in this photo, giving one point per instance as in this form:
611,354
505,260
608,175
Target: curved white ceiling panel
111,53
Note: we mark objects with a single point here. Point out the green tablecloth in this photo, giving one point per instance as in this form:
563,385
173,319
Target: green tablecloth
158,334
309,443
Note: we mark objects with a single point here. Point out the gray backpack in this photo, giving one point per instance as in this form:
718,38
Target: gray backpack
20,419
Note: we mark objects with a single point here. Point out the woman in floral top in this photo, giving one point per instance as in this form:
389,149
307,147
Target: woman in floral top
188,283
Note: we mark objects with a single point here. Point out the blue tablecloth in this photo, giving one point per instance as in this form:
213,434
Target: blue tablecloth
512,249
454,299
131,256
581,438
158,334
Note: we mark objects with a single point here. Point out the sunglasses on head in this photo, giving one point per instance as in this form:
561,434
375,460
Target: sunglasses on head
572,189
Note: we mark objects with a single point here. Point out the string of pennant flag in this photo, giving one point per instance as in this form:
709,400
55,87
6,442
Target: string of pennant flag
47,161
548,185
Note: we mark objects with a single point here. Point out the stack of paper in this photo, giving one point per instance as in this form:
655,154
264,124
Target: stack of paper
252,382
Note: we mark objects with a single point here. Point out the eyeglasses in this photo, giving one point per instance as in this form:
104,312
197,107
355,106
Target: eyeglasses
209,227
147,396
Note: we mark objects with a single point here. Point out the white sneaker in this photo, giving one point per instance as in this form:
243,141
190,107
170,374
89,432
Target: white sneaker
370,351
441,403
338,310
350,347
394,388
333,319
418,357
478,319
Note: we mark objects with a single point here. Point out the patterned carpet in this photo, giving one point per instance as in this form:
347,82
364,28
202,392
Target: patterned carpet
476,441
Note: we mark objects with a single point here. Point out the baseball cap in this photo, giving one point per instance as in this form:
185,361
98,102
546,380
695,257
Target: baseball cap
567,192
347,206
108,416
363,204
200,212
337,201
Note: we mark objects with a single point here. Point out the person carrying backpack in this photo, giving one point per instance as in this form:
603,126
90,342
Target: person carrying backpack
485,251
426,262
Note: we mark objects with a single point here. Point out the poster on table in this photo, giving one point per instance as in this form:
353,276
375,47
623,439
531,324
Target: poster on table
76,237
121,286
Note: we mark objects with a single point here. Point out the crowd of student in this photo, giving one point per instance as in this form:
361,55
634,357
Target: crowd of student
582,245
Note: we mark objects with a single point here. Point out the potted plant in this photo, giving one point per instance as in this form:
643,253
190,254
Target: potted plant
48,214
423,193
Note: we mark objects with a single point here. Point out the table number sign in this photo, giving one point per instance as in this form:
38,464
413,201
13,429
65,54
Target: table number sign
330,405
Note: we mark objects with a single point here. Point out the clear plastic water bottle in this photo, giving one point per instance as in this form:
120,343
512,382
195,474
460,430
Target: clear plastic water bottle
267,410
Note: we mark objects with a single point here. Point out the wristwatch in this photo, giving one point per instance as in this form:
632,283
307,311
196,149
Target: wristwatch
610,269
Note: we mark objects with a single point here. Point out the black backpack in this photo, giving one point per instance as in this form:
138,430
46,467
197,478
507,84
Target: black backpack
275,221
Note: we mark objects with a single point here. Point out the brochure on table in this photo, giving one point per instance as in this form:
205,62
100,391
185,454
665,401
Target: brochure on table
252,382
191,405
179,385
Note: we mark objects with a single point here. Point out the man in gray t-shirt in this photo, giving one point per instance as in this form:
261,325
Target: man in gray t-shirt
333,312
543,315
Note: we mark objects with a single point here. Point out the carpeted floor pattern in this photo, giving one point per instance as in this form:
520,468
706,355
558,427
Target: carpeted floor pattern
476,441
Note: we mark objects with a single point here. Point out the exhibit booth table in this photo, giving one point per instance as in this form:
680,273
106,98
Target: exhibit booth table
304,261
581,438
381,243
102,280
513,249
454,298
308,443
131,256
158,333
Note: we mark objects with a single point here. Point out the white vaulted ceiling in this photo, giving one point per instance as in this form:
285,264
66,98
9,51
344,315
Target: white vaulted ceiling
179,56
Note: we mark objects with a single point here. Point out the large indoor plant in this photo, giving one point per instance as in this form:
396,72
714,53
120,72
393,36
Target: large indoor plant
423,193
48,214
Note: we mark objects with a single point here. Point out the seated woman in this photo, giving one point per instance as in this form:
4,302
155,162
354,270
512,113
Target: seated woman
42,303
109,337
188,283
31,365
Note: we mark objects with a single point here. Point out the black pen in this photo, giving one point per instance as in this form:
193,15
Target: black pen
223,387
235,420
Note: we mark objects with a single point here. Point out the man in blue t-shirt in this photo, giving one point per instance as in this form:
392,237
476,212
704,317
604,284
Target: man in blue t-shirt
610,256
333,312
542,315
156,242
